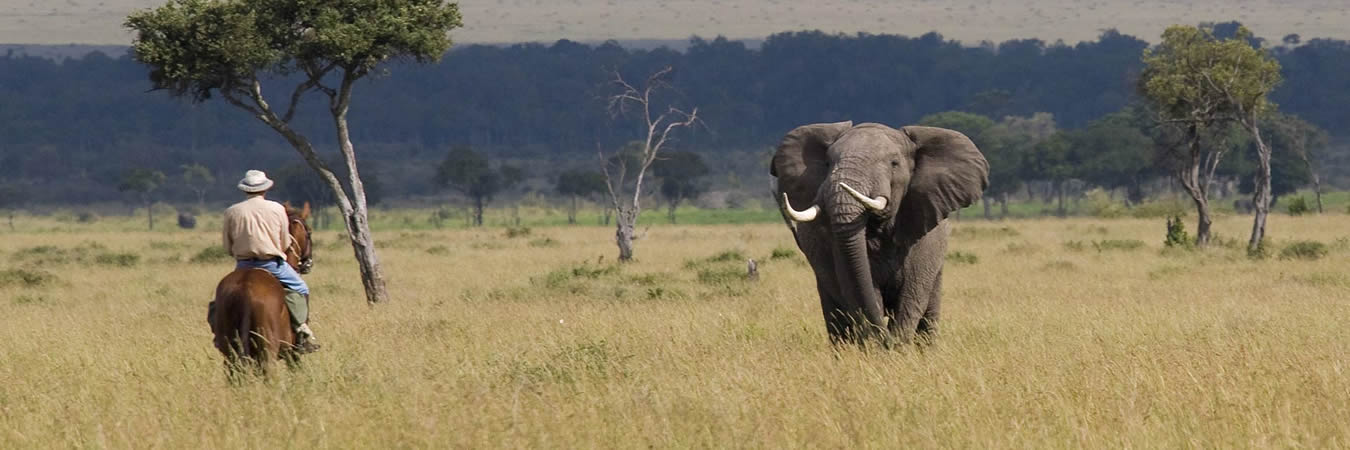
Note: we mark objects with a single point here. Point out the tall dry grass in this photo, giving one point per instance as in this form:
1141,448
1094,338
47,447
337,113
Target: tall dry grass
1055,333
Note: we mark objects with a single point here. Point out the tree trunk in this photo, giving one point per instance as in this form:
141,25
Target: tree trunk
478,211
1317,191
572,213
623,234
1260,198
357,217
988,211
11,220
1202,228
1195,180
150,214
1003,205
1059,190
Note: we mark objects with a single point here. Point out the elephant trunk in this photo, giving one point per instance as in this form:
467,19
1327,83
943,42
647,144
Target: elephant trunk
848,217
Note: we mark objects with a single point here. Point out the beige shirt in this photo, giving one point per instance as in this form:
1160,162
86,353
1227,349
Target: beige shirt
257,229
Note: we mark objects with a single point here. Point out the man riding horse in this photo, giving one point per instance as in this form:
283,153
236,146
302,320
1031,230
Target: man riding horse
256,234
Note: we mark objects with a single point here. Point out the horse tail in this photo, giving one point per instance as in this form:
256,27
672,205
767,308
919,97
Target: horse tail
244,331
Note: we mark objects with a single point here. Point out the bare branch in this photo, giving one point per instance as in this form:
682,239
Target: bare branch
315,80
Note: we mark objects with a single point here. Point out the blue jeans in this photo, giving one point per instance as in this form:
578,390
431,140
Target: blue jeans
286,274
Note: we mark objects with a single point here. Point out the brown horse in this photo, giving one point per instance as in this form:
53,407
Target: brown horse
249,317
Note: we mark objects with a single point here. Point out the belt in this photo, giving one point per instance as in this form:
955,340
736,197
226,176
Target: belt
274,258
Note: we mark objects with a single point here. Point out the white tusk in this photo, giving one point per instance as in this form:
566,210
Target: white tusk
875,204
800,216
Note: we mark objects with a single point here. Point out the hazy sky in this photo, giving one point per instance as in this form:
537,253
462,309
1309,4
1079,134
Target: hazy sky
99,21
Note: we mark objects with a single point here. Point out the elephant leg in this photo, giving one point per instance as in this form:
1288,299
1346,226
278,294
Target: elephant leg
837,321
928,324
921,273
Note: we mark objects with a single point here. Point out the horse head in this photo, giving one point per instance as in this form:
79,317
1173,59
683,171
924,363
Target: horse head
300,254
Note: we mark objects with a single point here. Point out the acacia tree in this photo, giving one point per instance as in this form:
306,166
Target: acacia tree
679,173
473,175
143,183
1175,82
1303,140
576,184
658,134
198,178
197,48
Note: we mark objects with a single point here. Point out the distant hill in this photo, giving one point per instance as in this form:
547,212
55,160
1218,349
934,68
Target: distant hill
61,51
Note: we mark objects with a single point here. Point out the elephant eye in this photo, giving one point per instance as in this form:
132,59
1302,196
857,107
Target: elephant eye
895,163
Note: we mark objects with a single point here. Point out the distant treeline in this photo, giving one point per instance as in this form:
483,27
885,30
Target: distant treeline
69,130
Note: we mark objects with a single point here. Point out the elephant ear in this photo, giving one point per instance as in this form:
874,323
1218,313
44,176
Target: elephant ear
949,174
802,161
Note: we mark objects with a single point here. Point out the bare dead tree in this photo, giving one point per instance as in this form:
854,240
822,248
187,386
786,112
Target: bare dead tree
638,100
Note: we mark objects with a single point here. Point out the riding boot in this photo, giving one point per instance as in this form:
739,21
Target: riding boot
298,304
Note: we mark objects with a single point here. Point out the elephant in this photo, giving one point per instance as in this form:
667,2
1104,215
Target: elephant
875,225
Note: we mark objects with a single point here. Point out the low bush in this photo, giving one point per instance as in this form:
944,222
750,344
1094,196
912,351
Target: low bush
959,257
118,259
26,278
1305,250
211,254
1117,244
544,242
1298,206
515,232
1176,234
783,253
439,250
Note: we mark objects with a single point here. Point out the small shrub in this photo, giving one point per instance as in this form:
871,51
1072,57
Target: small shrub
439,250
1323,279
783,253
662,293
118,259
29,299
1118,244
959,257
487,245
166,245
1059,266
1216,239
544,242
1100,204
86,217
1305,250
1298,206
515,232
211,254
1076,246
1021,248
724,257
562,276
721,275
1176,234
26,278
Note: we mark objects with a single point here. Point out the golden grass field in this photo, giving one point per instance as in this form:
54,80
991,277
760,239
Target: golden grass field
529,342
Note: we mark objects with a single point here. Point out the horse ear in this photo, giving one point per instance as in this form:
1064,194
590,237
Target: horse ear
305,211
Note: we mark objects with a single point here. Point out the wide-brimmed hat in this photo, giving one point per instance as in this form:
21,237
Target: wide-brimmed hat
255,181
